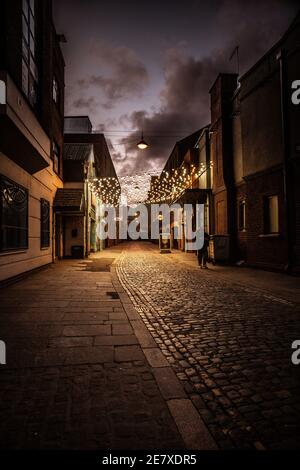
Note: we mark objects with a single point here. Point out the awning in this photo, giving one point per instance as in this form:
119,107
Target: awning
69,200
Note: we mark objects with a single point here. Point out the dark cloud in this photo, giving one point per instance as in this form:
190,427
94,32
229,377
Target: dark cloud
252,25
204,35
85,103
127,76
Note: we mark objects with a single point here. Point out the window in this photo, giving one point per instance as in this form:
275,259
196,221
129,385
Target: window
206,218
242,215
55,91
13,215
271,215
56,157
45,223
29,68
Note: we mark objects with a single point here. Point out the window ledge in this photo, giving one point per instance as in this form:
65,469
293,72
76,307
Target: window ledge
269,235
13,252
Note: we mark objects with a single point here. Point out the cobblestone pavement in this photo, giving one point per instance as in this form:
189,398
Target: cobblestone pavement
76,376
229,345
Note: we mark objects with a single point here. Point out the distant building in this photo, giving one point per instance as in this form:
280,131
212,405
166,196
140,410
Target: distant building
31,130
186,179
78,211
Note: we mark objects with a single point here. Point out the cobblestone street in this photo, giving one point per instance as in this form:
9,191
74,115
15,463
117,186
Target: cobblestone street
229,344
136,350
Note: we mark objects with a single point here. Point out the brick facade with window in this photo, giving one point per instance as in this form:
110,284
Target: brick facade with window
255,152
265,249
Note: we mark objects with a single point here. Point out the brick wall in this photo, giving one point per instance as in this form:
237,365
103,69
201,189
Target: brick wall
265,251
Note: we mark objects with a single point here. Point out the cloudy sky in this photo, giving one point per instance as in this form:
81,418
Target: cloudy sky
133,65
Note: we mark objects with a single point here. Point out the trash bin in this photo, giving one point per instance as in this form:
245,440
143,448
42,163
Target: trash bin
77,251
219,248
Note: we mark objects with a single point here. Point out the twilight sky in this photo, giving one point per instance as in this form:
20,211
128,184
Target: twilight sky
133,65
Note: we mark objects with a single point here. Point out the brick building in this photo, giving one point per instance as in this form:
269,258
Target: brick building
255,153
249,162
31,129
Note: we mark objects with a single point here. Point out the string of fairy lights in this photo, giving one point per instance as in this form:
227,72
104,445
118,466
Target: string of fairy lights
107,190
170,185
147,187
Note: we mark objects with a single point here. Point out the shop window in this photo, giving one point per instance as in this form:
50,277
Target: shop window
271,215
45,223
13,215
242,215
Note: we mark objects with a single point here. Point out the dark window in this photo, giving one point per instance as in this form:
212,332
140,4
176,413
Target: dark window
242,215
29,68
45,223
13,215
56,157
271,215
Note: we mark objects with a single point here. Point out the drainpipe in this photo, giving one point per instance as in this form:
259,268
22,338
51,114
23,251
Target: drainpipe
86,209
281,57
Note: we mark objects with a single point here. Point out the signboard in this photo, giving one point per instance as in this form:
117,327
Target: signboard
165,243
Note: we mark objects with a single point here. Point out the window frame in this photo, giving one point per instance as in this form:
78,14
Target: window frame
242,215
267,215
30,77
45,232
56,153
25,228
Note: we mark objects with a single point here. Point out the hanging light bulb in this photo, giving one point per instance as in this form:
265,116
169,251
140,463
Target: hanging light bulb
142,144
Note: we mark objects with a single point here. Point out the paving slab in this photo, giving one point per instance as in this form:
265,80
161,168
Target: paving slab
128,353
122,329
116,340
70,342
118,316
87,330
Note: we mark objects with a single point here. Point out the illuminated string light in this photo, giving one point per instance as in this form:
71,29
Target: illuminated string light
142,188
169,186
